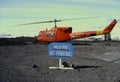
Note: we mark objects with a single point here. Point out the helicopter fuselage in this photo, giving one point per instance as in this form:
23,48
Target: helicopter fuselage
59,34
55,34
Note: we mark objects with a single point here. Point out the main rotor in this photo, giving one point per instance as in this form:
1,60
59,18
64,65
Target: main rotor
55,21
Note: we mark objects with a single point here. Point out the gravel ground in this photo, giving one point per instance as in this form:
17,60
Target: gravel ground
93,62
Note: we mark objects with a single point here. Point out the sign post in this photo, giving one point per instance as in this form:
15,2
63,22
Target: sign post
60,63
60,50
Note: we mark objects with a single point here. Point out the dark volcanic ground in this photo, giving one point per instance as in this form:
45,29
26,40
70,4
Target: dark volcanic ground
93,62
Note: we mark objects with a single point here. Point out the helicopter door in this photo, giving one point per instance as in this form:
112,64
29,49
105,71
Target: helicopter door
50,35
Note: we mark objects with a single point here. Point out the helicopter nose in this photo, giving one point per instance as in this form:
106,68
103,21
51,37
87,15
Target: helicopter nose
39,39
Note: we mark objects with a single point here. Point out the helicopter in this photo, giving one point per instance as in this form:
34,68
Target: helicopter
61,34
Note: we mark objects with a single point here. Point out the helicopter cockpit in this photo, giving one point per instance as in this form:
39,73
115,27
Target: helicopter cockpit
46,34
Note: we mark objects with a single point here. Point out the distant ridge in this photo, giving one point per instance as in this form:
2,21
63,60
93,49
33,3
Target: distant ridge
16,41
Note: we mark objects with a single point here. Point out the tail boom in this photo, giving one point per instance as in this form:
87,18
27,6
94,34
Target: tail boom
107,30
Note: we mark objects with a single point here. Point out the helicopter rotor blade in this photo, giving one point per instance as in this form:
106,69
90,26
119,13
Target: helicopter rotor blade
39,22
81,18
55,20
35,23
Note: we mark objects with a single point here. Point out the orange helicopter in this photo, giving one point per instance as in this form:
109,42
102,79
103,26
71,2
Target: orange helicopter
60,34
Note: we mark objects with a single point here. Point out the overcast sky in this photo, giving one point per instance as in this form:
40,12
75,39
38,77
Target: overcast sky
13,12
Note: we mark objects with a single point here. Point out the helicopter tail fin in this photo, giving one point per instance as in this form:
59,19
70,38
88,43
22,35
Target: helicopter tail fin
109,28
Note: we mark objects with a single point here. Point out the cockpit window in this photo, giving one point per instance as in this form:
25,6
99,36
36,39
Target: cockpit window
50,34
